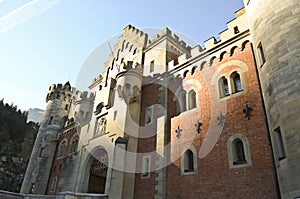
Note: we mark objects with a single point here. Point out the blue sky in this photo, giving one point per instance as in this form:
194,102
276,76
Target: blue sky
48,41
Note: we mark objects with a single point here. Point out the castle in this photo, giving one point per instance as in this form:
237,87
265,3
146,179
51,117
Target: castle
165,120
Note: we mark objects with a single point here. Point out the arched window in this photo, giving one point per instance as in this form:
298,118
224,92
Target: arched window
238,152
224,88
236,82
74,144
182,101
188,161
192,99
61,148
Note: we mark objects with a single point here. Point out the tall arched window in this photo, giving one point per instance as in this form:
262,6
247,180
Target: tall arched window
238,152
61,148
74,144
188,161
236,82
224,88
192,99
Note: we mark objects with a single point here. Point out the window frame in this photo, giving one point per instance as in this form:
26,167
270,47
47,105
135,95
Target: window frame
151,115
73,150
192,99
152,66
53,184
279,145
59,149
146,167
233,77
231,150
222,90
262,55
184,171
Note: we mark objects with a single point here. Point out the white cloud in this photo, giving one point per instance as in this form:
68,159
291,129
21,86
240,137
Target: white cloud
24,13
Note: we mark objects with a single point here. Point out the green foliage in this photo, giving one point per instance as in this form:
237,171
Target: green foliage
16,141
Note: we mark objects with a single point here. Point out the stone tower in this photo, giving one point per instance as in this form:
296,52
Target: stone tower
58,104
274,27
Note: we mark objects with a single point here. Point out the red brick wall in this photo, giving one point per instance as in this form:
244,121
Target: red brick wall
214,178
146,144
58,162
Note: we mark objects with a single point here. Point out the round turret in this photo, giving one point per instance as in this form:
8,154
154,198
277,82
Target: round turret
84,103
58,101
274,27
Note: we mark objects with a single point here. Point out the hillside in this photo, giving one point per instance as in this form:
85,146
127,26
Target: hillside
16,141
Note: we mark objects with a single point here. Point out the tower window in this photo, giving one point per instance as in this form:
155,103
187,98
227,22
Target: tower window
53,184
236,30
236,82
262,54
238,152
188,161
74,144
61,149
146,166
32,188
151,66
50,120
42,152
149,115
279,146
223,86
192,99
182,101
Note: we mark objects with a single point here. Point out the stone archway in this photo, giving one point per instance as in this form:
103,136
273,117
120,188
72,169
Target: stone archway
98,172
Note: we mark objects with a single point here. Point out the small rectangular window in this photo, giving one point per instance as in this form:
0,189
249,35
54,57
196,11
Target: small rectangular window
50,121
236,30
146,166
279,146
53,185
32,188
151,66
149,114
262,54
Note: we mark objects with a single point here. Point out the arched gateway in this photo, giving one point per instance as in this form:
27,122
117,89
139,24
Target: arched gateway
98,172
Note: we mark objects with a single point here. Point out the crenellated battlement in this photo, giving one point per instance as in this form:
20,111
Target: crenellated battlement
131,29
166,32
59,91
80,96
237,25
97,79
